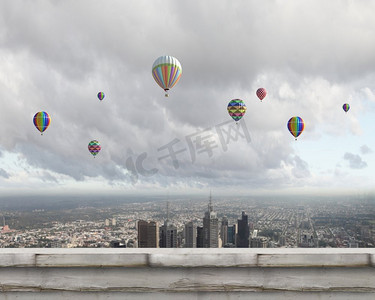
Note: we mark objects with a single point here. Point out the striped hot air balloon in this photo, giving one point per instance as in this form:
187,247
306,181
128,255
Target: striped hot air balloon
346,107
101,96
236,109
41,121
94,147
296,125
166,71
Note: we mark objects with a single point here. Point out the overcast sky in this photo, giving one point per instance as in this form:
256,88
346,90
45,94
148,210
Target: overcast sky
310,56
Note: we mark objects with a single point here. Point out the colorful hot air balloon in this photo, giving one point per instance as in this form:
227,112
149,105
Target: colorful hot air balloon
261,93
94,147
236,109
101,96
42,121
346,107
166,71
296,125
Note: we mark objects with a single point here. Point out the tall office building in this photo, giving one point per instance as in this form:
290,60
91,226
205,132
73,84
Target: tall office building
172,236
200,237
242,240
168,233
168,236
148,234
190,235
232,231
224,231
210,228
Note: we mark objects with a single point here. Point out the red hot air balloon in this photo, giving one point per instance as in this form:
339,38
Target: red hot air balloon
261,93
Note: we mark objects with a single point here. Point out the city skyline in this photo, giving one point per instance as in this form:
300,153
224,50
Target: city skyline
260,224
310,63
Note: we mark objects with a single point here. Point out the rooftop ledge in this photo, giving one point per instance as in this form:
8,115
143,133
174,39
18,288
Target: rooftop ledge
224,273
177,258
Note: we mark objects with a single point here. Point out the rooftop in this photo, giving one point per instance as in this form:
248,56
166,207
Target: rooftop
225,273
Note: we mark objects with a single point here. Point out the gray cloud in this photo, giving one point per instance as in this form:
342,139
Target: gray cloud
48,177
227,50
301,168
355,161
365,149
4,173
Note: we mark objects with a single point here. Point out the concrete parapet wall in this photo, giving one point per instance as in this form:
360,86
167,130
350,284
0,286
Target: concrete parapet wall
187,273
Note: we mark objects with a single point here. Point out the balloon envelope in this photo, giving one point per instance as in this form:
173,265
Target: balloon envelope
296,125
346,107
261,93
41,121
101,96
236,109
166,71
94,147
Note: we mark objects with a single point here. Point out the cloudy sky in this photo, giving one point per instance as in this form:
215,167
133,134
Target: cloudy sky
311,57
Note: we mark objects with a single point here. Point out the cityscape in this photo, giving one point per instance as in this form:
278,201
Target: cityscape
196,222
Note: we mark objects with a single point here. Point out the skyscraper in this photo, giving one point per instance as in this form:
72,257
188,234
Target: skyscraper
168,233
200,237
210,228
168,236
232,231
224,231
243,232
190,235
148,234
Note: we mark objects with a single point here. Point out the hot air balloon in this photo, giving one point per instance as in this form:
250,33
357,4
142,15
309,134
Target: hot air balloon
296,126
94,147
346,107
41,121
166,71
261,93
236,109
101,96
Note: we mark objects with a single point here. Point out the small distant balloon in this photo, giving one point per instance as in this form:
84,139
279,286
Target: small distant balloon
296,125
94,147
236,109
261,93
166,71
41,121
346,107
101,96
